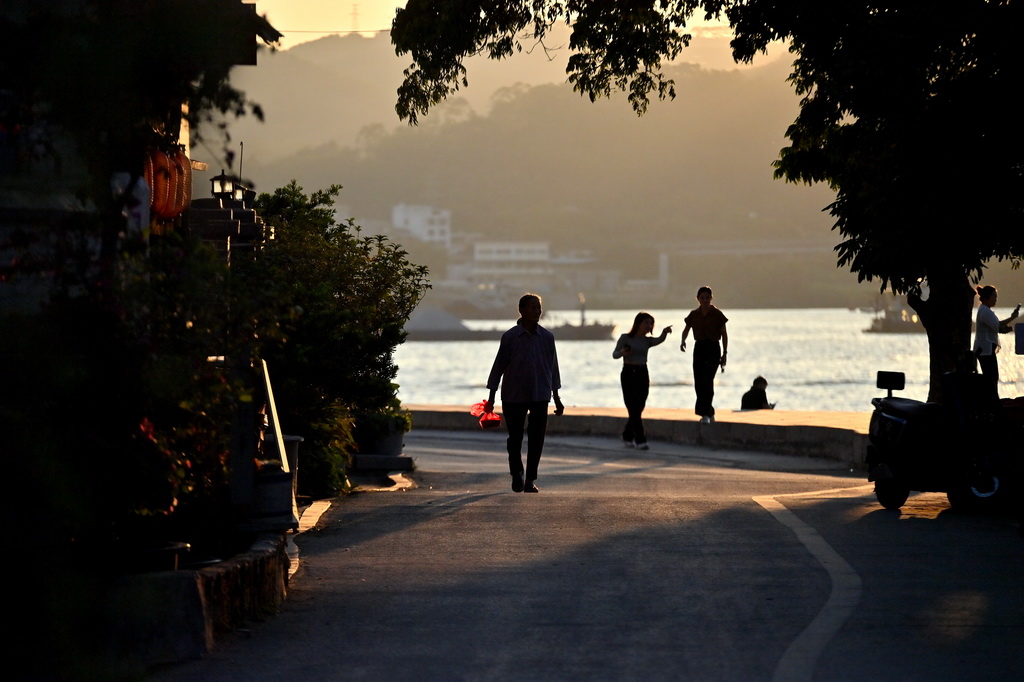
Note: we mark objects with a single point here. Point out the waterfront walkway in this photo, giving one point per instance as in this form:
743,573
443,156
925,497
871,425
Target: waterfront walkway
679,563
840,436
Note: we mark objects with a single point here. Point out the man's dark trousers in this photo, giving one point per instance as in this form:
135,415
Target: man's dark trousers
515,421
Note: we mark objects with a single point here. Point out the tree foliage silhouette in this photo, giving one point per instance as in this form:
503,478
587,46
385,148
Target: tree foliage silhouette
905,113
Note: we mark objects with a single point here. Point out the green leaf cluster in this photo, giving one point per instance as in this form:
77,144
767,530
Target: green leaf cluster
906,113
345,298
615,45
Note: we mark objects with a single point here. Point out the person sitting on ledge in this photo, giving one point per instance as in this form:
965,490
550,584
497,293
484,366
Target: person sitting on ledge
756,398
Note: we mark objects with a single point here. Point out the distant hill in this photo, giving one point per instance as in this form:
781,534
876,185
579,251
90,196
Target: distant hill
328,90
539,160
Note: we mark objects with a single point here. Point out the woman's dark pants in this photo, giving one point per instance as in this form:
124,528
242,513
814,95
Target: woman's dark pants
990,370
515,421
636,385
707,357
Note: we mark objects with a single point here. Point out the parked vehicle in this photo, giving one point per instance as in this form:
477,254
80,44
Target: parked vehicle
967,447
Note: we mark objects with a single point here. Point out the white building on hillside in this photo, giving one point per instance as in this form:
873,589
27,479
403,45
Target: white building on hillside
512,262
426,223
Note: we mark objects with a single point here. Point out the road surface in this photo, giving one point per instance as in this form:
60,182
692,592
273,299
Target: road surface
679,563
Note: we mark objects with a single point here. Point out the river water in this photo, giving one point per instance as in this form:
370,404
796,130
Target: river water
813,359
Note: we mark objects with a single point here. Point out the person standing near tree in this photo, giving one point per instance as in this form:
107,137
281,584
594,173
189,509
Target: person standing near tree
708,325
632,347
987,328
526,368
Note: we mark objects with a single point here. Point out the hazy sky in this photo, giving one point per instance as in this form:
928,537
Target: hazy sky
305,20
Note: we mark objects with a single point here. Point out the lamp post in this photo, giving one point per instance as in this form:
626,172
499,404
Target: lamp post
243,195
222,186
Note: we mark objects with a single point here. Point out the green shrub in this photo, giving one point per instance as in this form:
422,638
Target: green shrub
344,300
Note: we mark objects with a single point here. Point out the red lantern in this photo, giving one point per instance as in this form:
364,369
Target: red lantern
181,174
170,180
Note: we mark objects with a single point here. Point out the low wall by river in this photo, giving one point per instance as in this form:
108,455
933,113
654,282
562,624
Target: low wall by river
840,436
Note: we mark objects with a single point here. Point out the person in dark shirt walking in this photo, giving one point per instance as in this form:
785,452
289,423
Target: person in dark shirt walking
708,325
526,368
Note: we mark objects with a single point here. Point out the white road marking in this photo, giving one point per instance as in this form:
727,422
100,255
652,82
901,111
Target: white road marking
801,657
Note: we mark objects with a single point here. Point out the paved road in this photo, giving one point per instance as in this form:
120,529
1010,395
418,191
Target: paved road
676,564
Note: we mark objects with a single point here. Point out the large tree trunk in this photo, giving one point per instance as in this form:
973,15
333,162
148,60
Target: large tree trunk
946,317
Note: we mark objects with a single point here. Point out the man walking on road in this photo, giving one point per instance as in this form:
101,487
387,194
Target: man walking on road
526,367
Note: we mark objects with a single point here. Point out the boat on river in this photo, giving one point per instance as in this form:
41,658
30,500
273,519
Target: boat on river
893,315
896,321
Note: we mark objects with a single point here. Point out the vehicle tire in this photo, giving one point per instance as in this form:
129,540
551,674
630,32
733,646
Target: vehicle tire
892,493
983,491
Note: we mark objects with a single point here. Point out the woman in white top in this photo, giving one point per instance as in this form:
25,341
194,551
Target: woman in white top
632,347
987,328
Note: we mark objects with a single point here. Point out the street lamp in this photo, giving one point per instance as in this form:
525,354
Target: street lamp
243,194
222,186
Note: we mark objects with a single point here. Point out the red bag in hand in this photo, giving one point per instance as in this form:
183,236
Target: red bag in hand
488,420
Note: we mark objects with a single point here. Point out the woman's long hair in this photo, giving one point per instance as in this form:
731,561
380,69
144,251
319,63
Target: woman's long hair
637,321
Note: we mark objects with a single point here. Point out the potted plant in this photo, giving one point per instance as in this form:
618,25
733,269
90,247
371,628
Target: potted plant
381,432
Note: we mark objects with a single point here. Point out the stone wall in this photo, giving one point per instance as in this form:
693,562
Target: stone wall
171,616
